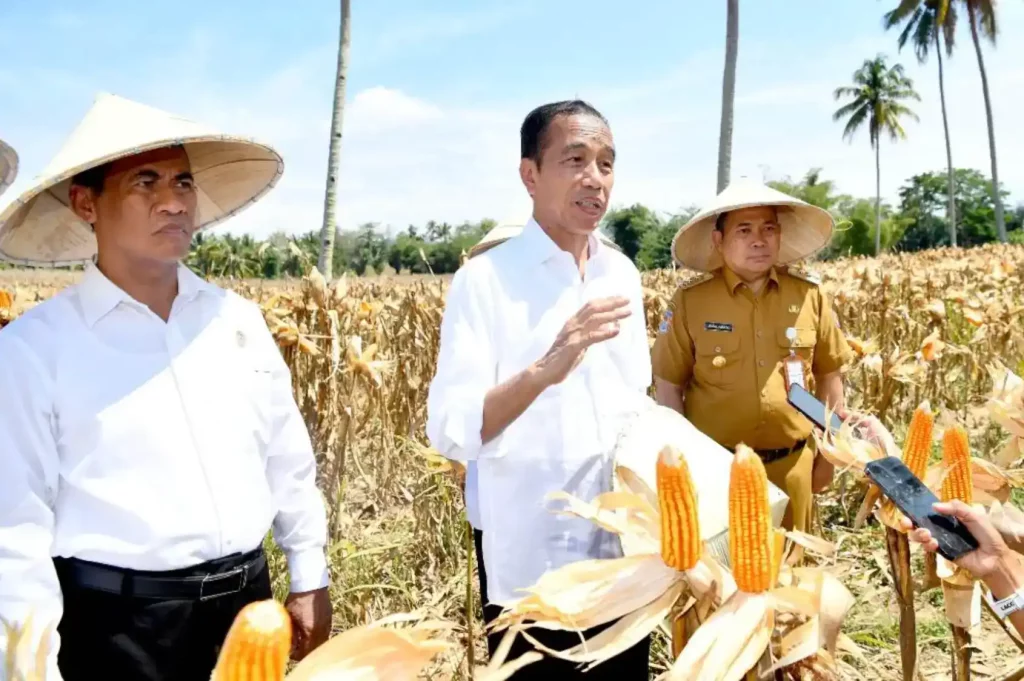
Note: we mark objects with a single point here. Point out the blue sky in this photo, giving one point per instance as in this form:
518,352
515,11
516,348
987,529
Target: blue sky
437,91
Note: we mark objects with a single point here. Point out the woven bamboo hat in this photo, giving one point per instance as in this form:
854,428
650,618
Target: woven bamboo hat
806,229
506,230
8,166
231,172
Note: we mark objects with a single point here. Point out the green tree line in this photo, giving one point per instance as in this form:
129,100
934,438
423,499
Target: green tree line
919,220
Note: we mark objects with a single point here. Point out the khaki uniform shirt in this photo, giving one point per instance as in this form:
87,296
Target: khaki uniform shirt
727,347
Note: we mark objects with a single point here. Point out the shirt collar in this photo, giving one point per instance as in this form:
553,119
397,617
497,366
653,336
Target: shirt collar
733,282
539,247
99,295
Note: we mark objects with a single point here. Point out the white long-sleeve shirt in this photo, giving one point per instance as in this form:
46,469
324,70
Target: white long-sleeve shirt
503,311
137,443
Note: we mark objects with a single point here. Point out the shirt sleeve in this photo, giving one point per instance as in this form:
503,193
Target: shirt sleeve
466,371
832,352
672,354
29,461
640,353
300,525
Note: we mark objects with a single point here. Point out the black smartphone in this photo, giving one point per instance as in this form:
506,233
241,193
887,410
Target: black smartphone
813,408
914,499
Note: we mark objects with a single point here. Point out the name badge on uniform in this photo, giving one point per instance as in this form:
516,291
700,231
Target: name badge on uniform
794,365
718,326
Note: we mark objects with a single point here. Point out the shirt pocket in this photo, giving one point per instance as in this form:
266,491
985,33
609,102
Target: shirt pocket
802,345
717,359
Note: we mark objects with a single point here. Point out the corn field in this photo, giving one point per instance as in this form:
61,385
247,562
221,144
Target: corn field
926,327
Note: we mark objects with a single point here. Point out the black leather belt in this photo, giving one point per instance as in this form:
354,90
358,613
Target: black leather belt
201,587
769,455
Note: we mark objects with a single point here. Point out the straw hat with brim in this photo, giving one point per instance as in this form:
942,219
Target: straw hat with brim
805,229
231,173
506,231
8,166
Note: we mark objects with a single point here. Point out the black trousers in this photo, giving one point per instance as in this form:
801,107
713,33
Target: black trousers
120,636
633,664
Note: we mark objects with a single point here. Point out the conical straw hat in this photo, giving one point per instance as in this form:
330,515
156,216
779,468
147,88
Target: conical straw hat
231,173
805,229
8,166
506,230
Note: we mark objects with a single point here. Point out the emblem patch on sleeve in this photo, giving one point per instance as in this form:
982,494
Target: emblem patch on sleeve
718,326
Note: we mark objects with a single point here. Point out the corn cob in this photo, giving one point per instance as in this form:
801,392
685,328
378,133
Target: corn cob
956,457
750,523
918,445
677,501
258,644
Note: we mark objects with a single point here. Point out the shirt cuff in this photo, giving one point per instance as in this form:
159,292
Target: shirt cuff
308,570
463,425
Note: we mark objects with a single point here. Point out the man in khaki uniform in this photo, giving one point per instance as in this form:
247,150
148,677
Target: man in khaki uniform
735,338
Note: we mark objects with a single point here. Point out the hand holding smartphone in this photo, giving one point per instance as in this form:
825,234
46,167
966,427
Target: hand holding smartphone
911,496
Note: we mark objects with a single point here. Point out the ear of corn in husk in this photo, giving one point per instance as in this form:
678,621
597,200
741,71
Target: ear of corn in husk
751,546
681,545
257,645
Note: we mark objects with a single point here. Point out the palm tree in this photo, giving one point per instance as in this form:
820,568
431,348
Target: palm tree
930,23
732,41
878,94
330,225
982,14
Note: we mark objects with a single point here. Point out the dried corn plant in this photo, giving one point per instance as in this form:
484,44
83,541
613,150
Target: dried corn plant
942,327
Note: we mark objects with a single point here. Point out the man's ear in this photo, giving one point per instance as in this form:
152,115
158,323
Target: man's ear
716,238
83,203
528,174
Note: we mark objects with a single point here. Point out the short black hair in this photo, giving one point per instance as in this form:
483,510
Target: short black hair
533,133
92,178
720,222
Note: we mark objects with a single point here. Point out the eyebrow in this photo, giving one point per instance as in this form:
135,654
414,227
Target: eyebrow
576,146
153,175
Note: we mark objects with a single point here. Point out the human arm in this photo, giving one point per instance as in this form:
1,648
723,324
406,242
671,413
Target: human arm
30,465
672,356
992,562
832,352
466,409
300,525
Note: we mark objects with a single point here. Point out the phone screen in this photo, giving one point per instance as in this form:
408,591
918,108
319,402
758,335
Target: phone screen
915,500
811,407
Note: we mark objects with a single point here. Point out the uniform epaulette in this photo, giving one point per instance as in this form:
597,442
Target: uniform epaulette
804,275
696,280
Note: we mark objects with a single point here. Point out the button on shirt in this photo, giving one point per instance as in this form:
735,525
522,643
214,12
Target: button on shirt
503,311
132,442
727,347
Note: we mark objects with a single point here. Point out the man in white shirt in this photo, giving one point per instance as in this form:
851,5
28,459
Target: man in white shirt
149,439
543,352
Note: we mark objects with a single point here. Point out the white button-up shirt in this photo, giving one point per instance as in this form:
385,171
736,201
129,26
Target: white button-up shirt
503,311
133,442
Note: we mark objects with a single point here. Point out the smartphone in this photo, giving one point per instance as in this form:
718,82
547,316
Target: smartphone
813,408
914,499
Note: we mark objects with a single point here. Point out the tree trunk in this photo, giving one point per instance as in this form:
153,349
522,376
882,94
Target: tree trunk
878,197
732,41
951,210
997,200
330,226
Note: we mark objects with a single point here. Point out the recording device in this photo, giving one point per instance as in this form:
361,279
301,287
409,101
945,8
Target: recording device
811,407
911,496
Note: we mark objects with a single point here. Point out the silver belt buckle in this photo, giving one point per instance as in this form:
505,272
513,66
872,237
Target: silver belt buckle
216,579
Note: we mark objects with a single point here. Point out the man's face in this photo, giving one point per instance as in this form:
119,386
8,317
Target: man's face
749,241
147,208
573,182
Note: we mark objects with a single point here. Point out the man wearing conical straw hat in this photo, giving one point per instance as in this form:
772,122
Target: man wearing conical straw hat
149,440
733,340
8,166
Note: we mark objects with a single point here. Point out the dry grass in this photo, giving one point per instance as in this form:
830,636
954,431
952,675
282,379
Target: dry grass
362,355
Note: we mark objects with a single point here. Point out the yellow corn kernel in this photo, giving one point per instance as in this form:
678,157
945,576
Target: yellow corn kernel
750,523
677,501
258,644
956,458
917,448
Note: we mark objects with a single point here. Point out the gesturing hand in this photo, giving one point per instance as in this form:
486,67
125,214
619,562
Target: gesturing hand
596,321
